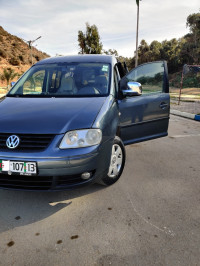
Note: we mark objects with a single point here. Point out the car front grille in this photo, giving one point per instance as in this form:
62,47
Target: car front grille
28,142
23,182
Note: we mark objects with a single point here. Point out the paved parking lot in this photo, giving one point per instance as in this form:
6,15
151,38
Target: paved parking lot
151,216
192,107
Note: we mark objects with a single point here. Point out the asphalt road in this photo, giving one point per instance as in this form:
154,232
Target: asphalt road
151,216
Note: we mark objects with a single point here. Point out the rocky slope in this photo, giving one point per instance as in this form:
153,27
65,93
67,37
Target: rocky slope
15,53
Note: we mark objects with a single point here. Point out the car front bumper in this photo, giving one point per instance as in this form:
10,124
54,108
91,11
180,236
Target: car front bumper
60,171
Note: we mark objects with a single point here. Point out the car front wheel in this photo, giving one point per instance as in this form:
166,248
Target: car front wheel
117,162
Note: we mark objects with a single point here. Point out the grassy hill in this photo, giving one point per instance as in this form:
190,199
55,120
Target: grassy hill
15,53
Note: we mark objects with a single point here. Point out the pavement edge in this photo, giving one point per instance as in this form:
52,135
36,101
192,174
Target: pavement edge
185,114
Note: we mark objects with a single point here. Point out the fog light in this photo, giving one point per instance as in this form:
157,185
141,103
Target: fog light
86,175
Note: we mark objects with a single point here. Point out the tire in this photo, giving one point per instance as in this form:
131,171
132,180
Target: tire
117,162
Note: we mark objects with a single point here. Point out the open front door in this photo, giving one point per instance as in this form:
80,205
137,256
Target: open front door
145,116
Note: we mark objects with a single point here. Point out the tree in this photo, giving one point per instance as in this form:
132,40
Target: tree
89,42
193,22
8,75
170,52
176,52
143,52
155,48
82,42
111,52
167,50
192,47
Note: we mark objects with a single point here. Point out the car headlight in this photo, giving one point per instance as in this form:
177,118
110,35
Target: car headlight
81,138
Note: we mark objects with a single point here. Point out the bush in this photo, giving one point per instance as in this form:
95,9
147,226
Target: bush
189,81
14,44
37,57
21,58
175,80
14,61
3,53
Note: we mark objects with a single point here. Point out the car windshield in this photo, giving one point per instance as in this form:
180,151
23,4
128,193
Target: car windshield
64,80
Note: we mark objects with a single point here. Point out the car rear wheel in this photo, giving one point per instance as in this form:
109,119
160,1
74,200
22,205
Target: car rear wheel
117,162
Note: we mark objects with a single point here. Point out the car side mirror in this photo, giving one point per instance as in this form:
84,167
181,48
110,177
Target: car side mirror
132,89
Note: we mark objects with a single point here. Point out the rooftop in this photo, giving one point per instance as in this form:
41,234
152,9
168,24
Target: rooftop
78,58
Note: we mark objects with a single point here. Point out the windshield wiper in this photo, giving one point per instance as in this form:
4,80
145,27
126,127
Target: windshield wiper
27,95
14,95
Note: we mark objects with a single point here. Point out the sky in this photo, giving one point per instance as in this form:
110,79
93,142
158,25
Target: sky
59,21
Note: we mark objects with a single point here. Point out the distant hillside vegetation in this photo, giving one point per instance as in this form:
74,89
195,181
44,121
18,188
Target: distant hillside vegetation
15,53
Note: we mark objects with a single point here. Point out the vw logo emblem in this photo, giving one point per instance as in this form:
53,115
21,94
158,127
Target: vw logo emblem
12,142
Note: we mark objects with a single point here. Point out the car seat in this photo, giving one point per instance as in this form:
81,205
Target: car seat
67,86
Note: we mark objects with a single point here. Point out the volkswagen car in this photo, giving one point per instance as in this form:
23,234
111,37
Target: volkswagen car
66,121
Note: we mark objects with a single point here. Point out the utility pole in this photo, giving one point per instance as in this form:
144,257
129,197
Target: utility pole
30,46
136,56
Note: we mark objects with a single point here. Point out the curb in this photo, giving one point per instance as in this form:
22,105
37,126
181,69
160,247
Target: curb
186,115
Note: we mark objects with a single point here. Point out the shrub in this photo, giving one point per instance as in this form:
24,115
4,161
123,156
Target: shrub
14,44
174,80
14,61
3,53
8,74
189,81
21,58
37,57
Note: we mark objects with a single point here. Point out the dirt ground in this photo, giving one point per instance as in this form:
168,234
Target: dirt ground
192,91
186,93
3,91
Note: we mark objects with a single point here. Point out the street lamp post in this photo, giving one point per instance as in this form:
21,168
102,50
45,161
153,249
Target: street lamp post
136,56
30,46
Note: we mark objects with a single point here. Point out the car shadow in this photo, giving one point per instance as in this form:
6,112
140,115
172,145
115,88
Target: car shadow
19,208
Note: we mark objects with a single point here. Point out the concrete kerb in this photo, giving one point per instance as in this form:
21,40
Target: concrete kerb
185,114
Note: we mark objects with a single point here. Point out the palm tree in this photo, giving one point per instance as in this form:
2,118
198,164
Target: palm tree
8,75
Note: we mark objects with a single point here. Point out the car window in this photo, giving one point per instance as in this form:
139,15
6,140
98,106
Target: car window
64,80
150,76
34,83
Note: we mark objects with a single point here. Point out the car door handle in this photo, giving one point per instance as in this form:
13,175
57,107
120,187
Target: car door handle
163,105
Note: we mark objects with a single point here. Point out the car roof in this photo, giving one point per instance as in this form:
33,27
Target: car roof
87,58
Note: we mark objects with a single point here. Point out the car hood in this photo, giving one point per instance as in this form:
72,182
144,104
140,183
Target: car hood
47,115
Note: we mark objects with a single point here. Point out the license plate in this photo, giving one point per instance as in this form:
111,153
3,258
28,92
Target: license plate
23,168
